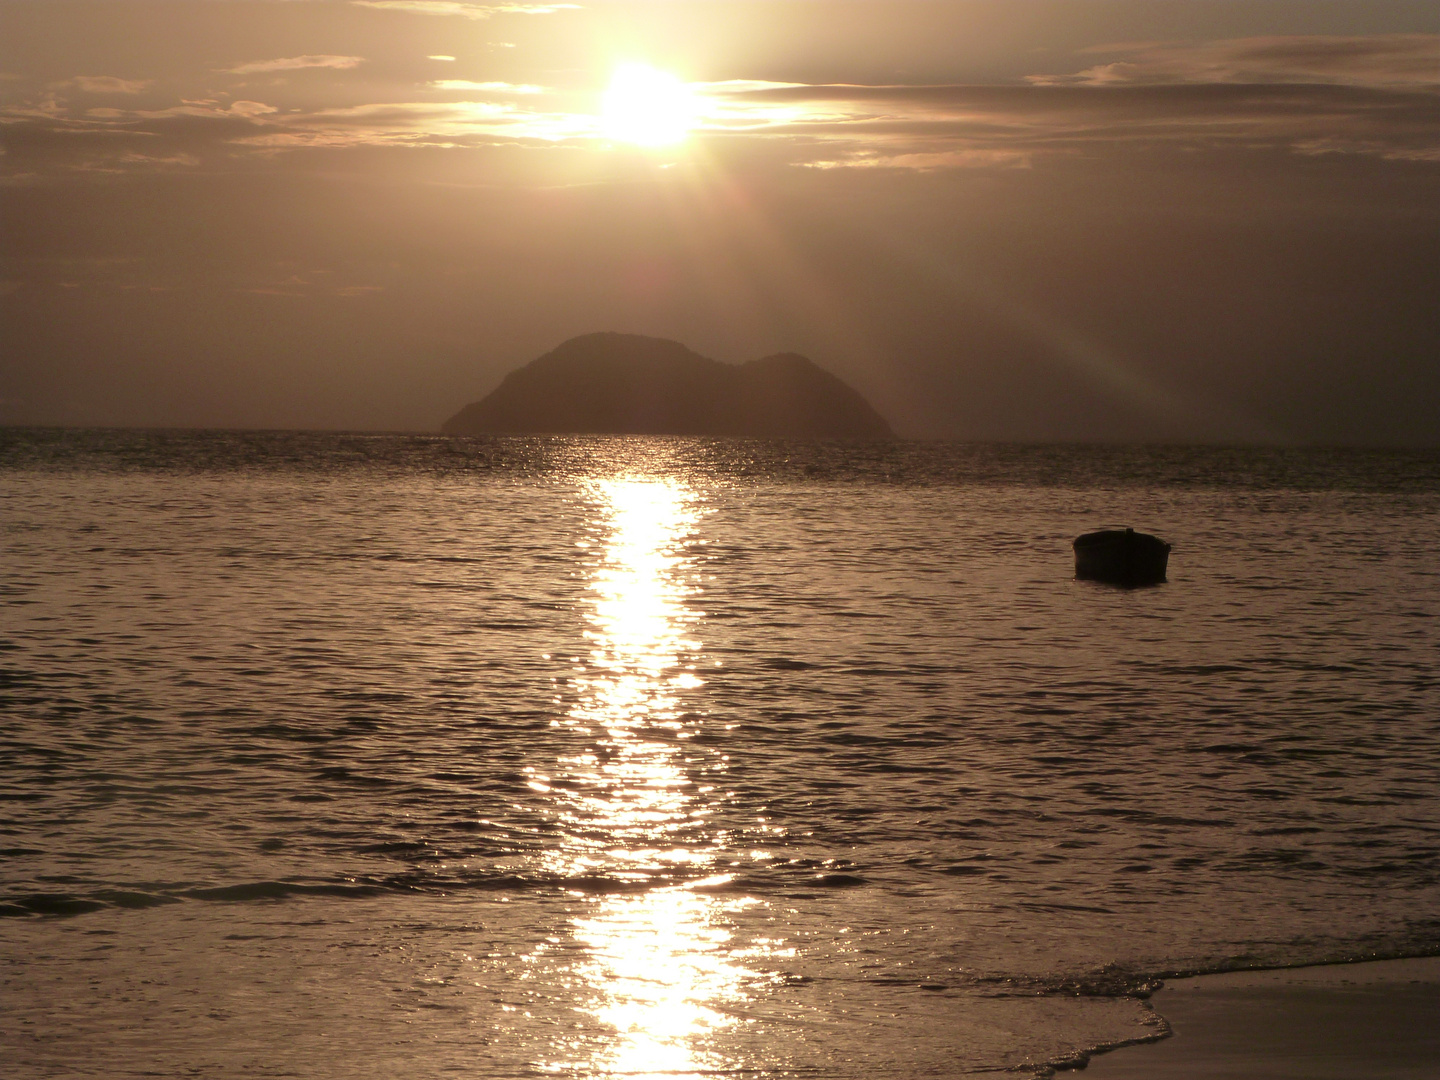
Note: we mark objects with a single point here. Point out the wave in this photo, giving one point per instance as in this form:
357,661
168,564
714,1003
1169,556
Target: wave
64,904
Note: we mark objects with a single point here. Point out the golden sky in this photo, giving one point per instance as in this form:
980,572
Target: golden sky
1018,219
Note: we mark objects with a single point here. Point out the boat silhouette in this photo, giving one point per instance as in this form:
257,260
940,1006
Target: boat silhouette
1121,557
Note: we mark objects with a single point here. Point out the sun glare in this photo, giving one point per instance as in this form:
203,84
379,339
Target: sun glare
660,966
648,107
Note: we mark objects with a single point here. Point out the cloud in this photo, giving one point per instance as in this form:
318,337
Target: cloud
250,108
155,161
459,7
244,110
490,87
1381,60
928,162
742,86
109,84
99,141
295,63
921,128
1332,145
924,126
450,124
446,59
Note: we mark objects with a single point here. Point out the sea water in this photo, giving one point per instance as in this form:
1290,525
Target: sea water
332,755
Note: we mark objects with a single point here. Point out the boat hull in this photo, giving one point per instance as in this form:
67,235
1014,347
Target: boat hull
1121,557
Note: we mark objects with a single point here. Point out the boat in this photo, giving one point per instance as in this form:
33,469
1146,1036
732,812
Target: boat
1121,557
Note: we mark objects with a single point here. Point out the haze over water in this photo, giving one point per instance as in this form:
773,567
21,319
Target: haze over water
334,755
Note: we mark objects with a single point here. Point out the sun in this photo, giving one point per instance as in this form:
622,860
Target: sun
648,107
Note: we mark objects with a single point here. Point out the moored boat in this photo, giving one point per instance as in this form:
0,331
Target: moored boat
1121,557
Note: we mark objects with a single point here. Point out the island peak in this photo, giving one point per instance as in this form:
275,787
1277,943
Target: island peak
627,384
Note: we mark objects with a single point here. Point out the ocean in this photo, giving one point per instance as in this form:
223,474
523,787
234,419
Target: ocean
347,755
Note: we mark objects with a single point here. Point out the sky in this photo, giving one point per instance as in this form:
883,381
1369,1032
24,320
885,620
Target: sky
1166,220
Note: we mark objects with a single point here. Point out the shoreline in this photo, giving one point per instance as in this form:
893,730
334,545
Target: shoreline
1371,1018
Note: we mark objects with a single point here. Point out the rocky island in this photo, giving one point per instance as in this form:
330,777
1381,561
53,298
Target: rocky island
625,384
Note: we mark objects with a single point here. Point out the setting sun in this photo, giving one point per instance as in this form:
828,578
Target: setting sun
648,107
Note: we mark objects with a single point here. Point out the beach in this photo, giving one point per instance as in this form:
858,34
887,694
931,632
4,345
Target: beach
1332,1022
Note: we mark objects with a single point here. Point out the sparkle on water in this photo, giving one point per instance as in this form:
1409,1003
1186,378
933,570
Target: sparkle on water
660,961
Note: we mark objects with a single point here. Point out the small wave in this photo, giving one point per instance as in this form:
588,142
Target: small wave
68,904
359,888
1110,981
279,890
1080,1059
839,881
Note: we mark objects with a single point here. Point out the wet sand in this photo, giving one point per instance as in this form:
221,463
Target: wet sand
1368,1021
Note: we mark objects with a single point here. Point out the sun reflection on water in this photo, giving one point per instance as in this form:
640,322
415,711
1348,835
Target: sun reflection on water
660,968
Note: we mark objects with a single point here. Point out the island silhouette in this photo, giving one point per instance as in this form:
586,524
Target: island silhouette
627,384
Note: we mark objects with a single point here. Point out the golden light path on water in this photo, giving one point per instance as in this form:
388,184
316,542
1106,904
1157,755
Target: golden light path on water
660,969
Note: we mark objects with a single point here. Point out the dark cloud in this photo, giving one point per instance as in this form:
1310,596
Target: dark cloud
1374,60
1007,120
